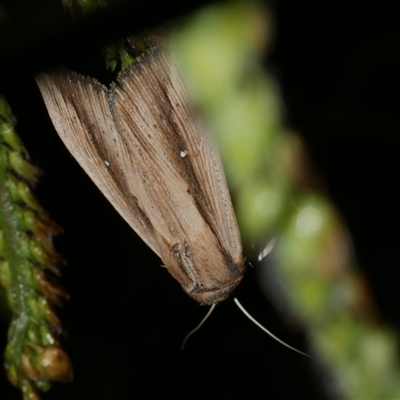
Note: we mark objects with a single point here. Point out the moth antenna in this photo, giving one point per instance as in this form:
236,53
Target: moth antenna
268,332
198,326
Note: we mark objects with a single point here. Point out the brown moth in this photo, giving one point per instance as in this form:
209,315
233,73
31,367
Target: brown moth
151,156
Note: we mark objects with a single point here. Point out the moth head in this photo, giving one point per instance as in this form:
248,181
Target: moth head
207,273
209,296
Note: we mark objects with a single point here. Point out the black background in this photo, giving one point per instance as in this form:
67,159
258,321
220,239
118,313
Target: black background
337,63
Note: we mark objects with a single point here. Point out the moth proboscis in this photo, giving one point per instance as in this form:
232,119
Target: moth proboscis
150,154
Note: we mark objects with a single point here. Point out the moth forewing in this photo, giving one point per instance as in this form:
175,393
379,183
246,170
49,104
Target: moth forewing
79,109
148,152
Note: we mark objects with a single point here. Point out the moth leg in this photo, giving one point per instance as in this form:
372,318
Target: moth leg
181,251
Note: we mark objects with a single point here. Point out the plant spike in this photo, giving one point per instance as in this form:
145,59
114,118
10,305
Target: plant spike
33,356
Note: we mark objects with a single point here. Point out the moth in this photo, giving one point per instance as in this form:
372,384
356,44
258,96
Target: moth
150,154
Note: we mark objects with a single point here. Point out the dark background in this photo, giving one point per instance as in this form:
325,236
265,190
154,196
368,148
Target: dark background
337,63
